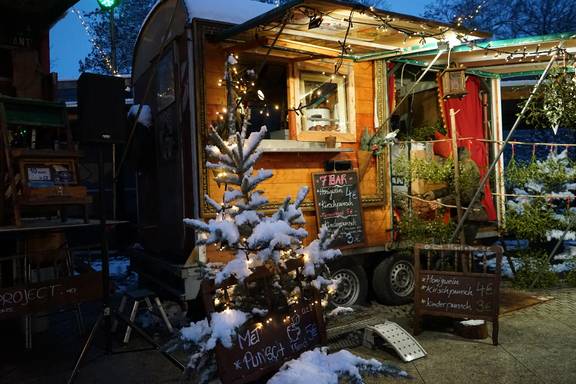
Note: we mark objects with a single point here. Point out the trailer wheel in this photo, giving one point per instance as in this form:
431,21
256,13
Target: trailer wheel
353,286
393,280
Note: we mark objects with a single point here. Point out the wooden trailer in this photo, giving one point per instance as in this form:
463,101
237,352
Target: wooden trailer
178,66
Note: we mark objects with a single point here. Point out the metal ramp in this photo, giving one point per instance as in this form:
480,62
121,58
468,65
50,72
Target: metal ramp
395,336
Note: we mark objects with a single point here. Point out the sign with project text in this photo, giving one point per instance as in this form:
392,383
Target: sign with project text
339,206
49,295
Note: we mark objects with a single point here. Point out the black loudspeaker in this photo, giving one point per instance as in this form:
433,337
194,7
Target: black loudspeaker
101,109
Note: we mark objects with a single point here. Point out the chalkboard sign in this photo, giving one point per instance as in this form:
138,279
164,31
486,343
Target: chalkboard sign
460,291
262,347
338,206
38,297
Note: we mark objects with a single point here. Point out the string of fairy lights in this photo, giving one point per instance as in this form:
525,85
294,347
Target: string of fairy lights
105,58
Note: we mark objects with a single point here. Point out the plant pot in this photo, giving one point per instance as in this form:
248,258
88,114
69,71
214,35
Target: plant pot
364,158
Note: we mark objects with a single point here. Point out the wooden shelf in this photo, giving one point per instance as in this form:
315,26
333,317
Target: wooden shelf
43,153
56,201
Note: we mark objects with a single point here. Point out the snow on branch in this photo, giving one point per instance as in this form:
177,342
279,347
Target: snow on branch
317,252
237,267
219,231
251,181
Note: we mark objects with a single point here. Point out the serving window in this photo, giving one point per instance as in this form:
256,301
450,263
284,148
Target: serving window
323,102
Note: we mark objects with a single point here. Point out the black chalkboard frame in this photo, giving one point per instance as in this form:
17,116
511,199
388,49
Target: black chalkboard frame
360,211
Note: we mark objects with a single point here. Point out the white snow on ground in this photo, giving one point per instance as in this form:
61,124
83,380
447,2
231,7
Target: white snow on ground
472,323
222,327
340,311
320,368
145,117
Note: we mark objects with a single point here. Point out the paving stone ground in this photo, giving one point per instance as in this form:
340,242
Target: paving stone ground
537,345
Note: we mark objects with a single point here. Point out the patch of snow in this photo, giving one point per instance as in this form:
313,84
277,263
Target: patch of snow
340,311
318,253
472,323
196,331
272,233
259,312
566,266
221,328
224,325
238,267
568,254
219,230
229,11
250,217
231,195
320,281
321,368
145,117
506,270
534,186
557,234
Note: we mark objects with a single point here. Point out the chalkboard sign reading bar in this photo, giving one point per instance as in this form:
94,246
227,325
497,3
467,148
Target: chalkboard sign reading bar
450,282
338,206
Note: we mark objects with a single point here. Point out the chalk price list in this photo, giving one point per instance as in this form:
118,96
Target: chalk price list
456,294
338,204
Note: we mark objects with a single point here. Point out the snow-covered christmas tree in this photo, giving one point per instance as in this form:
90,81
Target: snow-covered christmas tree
258,242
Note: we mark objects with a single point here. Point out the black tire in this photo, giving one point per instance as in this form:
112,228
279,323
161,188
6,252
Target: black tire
353,287
393,280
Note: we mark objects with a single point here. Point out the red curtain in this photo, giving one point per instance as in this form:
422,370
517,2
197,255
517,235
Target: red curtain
469,125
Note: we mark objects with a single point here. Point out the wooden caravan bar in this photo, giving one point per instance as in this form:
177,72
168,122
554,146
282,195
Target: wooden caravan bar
310,91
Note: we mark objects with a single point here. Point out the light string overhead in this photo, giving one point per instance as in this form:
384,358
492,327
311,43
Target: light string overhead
105,58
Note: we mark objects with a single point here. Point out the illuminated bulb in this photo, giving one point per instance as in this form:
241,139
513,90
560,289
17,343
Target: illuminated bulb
216,301
276,107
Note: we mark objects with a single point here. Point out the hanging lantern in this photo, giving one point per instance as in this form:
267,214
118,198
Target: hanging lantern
454,82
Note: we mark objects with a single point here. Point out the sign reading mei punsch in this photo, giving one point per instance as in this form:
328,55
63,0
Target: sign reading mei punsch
338,206
262,347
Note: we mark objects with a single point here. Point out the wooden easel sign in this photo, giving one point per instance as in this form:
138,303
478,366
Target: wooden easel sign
453,280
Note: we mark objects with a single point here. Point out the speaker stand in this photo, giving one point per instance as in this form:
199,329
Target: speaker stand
106,311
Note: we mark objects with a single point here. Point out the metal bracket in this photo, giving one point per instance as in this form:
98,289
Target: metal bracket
397,337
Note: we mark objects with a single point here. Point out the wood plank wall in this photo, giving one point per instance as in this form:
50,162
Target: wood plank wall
293,170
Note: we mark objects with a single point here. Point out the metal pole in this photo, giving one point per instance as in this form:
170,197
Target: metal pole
501,151
456,161
114,72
